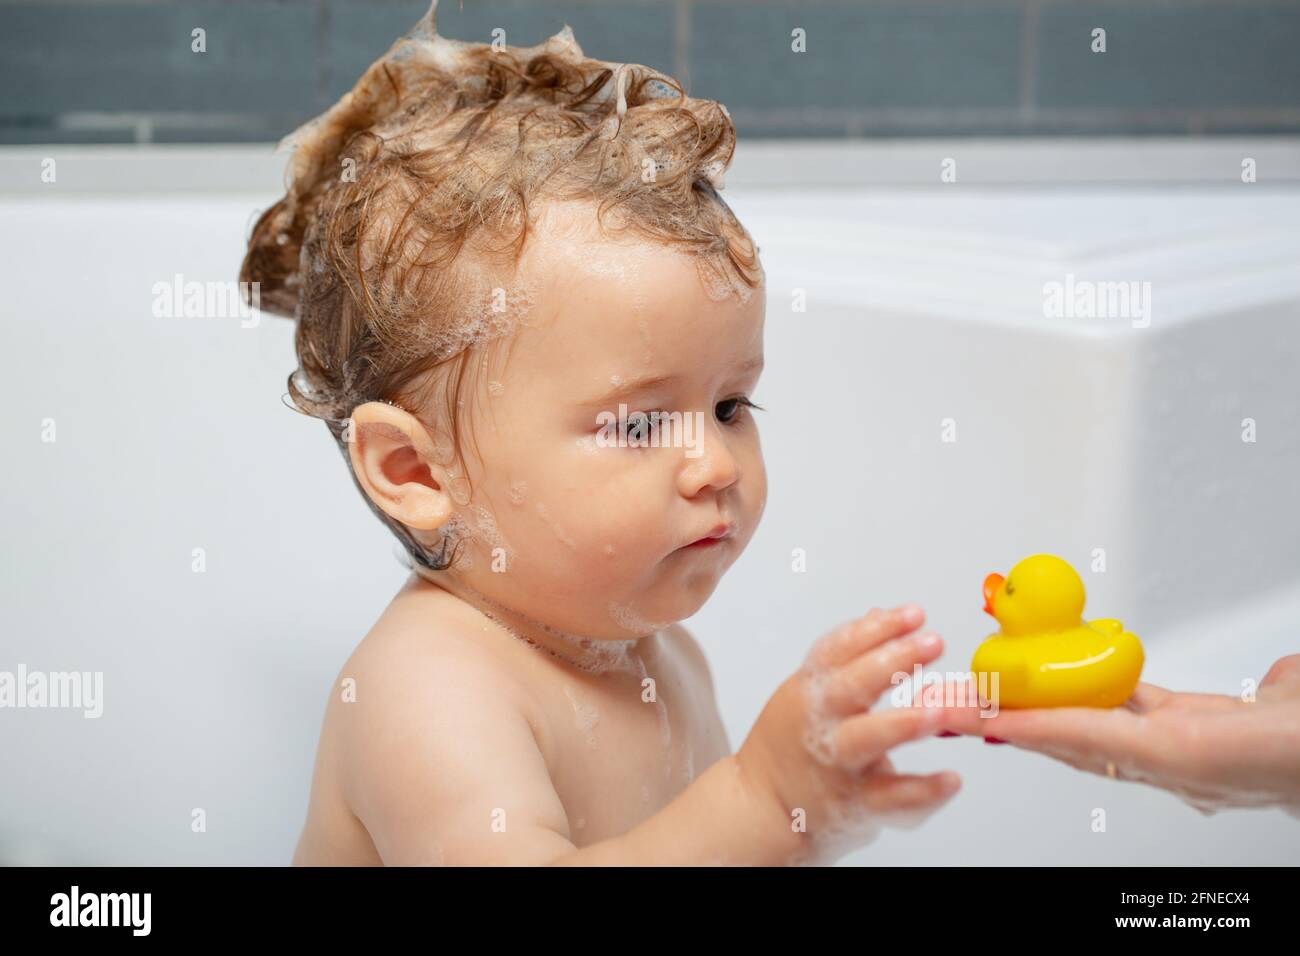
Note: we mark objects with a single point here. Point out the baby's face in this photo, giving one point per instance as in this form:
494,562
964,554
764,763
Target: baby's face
596,539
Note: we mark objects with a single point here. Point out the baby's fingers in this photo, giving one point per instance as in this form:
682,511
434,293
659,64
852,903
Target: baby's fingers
904,800
852,639
958,700
862,740
1282,679
855,686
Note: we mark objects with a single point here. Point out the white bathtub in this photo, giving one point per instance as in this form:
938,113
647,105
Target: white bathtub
923,304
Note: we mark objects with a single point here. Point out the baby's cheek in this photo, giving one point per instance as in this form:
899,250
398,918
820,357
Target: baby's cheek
560,544
754,491
610,557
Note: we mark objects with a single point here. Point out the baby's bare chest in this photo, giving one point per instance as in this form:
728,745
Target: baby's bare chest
622,747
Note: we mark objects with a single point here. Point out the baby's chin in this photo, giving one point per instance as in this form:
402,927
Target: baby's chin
629,615
623,614
674,599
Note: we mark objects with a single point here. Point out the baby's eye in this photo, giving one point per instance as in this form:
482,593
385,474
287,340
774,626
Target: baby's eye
729,410
639,426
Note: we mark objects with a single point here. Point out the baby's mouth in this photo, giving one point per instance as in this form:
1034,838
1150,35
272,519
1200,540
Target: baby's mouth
715,538
706,543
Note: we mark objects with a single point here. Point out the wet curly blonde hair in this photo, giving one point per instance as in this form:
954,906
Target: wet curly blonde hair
401,197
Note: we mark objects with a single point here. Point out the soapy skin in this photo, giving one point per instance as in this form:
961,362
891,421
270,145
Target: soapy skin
538,701
544,666
540,660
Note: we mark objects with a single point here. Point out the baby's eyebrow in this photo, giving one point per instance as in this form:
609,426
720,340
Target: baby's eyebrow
634,386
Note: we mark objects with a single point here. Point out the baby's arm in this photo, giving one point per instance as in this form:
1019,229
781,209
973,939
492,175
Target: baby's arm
719,820
441,766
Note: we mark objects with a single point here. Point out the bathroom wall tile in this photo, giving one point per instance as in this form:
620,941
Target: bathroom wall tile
118,70
637,30
36,134
60,58
1161,55
257,128
859,54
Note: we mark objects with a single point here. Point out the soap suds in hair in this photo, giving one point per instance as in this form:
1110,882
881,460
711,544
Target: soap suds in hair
408,203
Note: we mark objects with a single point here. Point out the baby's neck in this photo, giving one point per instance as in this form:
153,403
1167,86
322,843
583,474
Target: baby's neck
594,655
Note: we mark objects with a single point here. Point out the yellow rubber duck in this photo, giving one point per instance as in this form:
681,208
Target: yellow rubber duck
1046,655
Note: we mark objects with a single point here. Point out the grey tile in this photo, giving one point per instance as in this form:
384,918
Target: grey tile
259,132
864,54
15,135
639,31
757,123
873,67
1170,55
78,57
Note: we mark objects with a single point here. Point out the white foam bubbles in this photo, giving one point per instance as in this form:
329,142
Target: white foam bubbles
629,619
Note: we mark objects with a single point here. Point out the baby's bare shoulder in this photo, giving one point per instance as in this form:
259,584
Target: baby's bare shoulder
408,669
431,698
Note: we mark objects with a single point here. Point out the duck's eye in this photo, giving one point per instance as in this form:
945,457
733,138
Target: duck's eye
1011,588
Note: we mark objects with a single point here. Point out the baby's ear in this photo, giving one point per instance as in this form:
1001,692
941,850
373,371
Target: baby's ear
391,457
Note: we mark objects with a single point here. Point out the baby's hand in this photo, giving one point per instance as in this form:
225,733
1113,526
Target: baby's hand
823,754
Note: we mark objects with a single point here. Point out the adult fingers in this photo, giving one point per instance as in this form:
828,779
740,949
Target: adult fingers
1085,737
1147,697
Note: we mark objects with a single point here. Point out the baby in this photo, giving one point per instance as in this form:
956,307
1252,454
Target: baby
533,326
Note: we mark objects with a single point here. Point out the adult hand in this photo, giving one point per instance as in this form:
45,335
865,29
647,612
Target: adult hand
1213,751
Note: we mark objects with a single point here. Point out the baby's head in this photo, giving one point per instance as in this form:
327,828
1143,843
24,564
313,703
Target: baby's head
500,260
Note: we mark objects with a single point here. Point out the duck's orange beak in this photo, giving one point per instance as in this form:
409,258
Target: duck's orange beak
991,585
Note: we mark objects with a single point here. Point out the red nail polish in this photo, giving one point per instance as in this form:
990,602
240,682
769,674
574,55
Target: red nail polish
994,740
947,733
